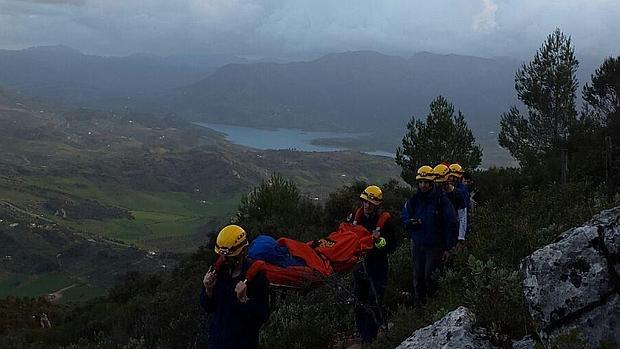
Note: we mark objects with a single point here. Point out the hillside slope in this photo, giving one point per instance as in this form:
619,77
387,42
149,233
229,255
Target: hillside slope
133,184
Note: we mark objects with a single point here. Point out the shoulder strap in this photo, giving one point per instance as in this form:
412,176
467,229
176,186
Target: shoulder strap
218,264
383,218
255,268
358,215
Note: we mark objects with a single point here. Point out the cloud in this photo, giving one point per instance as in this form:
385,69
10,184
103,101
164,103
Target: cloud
58,2
485,20
301,28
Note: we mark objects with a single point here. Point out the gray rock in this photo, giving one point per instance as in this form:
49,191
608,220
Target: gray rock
571,288
609,223
600,324
606,217
611,239
455,330
563,277
526,343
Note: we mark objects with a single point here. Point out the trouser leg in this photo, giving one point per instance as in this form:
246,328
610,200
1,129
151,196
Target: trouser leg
432,261
361,287
369,287
417,268
378,284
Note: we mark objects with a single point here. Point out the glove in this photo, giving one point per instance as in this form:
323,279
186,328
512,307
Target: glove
380,243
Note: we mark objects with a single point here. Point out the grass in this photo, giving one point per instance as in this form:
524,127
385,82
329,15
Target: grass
82,293
156,215
22,285
177,215
160,219
32,285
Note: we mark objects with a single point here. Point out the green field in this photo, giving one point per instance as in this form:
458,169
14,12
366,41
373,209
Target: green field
43,284
157,215
160,215
81,293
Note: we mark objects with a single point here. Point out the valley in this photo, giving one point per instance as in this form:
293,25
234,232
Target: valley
87,195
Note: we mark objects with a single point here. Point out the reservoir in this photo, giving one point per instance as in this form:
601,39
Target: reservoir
282,138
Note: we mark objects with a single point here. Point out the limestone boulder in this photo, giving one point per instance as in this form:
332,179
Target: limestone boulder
455,330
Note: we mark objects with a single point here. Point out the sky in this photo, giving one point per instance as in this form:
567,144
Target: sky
309,28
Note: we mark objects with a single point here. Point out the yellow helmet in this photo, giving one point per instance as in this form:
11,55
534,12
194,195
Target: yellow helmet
456,170
441,172
231,240
425,173
372,194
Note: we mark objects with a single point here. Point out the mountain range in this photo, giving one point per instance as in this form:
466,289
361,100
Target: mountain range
351,91
63,75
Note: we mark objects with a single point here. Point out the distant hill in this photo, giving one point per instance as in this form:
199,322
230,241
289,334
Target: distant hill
361,91
61,74
352,90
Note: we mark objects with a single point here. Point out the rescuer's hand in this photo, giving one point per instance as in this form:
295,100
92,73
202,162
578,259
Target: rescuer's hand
242,291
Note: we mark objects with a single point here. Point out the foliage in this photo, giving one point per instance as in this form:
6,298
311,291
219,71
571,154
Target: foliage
603,94
443,137
571,340
595,143
271,208
499,184
547,87
147,311
310,320
342,202
493,293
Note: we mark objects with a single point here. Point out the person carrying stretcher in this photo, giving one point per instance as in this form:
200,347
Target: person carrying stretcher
235,292
370,277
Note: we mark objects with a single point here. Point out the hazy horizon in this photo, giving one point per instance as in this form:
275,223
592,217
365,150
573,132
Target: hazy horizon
296,30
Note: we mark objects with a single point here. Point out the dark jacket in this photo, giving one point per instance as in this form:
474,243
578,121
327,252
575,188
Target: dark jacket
234,324
438,222
377,259
458,202
460,186
457,199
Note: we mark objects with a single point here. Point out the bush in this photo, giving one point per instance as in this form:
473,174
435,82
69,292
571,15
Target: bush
314,320
493,293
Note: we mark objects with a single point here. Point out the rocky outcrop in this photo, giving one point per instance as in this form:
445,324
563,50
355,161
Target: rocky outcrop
455,330
525,343
572,287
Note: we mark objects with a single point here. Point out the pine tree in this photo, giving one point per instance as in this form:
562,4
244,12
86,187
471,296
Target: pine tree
273,204
596,143
603,94
547,86
443,137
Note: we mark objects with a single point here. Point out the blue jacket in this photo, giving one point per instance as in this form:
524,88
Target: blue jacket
438,225
465,192
234,324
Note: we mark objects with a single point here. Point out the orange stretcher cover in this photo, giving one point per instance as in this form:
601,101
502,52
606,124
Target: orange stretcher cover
338,252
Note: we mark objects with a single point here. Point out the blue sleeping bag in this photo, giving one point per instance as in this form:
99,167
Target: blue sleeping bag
266,248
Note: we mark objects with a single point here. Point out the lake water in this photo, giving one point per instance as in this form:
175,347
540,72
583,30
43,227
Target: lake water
282,138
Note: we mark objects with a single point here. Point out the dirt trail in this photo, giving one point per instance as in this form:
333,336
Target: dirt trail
57,295
15,208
